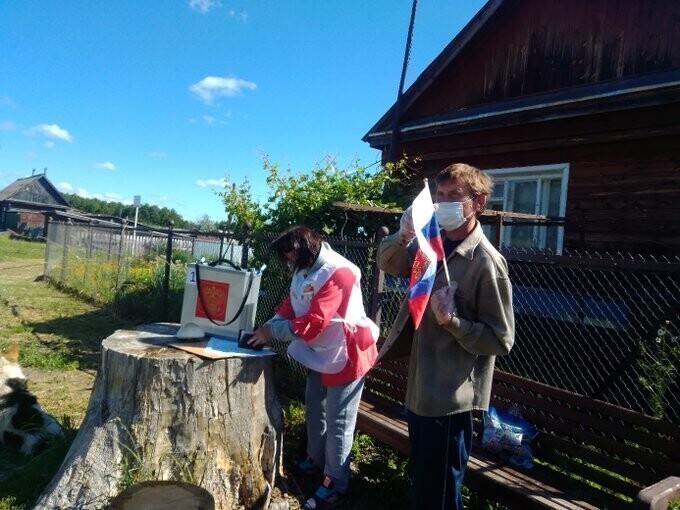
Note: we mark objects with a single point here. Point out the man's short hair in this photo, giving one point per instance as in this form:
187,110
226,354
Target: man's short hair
480,183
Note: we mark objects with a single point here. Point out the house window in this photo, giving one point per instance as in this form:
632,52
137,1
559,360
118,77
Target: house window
540,190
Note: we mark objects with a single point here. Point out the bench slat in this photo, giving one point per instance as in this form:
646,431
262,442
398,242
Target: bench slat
373,387
597,476
375,422
623,429
611,447
396,366
546,442
516,489
390,378
606,408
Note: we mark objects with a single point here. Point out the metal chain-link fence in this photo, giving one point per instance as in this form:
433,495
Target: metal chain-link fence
605,326
602,325
140,272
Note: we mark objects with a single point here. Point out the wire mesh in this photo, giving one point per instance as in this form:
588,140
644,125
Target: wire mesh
602,325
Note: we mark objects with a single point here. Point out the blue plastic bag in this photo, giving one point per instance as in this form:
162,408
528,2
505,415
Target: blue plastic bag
508,434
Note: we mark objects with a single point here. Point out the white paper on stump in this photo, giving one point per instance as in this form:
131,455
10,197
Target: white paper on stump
217,345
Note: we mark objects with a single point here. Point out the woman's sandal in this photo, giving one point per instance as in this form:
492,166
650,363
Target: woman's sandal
325,497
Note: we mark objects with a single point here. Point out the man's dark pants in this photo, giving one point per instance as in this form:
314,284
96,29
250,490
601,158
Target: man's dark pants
440,448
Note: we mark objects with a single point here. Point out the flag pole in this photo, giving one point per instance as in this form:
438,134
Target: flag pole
446,267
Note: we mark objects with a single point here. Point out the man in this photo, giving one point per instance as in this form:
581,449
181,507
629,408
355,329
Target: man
453,351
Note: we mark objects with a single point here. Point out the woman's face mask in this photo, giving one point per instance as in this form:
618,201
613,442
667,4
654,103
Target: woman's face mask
450,215
288,261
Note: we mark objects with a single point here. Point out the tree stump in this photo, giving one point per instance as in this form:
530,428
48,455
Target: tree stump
159,413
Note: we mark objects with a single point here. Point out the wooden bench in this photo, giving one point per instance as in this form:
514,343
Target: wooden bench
588,453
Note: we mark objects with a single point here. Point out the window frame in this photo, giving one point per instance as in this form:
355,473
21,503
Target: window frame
541,174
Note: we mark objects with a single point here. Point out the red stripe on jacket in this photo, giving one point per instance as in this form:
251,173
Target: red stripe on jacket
331,298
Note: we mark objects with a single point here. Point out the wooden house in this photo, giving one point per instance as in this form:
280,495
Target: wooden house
24,202
572,106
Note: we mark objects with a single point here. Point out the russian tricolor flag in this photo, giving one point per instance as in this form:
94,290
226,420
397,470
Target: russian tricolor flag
430,250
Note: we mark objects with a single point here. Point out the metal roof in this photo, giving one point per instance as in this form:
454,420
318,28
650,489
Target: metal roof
11,191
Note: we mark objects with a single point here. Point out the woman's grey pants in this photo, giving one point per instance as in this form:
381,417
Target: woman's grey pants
331,414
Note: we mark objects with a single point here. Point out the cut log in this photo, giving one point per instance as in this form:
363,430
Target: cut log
163,495
159,413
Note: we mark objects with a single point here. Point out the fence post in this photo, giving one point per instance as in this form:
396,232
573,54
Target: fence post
498,235
88,252
64,260
166,278
246,246
48,220
378,280
120,256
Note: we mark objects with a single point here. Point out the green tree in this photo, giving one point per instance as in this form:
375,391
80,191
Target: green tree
203,224
148,214
243,211
307,198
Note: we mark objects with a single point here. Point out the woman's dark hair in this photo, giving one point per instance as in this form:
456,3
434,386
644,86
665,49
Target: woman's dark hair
304,242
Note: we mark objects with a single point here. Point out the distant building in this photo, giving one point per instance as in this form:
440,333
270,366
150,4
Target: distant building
23,204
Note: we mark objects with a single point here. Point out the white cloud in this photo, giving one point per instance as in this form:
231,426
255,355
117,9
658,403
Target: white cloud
205,183
203,6
52,131
7,125
209,119
105,165
6,101
243,15
158,154
211,87
108,196
112,197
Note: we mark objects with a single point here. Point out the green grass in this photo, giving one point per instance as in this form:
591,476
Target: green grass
20,249
59,338
30,474
55,331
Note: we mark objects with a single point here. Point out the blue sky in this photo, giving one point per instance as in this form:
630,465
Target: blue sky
169,99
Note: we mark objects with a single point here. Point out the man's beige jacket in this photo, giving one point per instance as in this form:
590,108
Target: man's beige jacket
451,366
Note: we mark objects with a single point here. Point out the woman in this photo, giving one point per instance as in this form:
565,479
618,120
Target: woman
324,320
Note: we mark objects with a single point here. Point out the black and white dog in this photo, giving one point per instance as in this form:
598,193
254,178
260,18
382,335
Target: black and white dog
24,426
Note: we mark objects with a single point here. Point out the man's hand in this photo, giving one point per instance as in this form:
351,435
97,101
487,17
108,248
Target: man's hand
261,336
406,230
442,304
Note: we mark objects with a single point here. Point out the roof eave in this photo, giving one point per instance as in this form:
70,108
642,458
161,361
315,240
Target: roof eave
601,98
440,62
